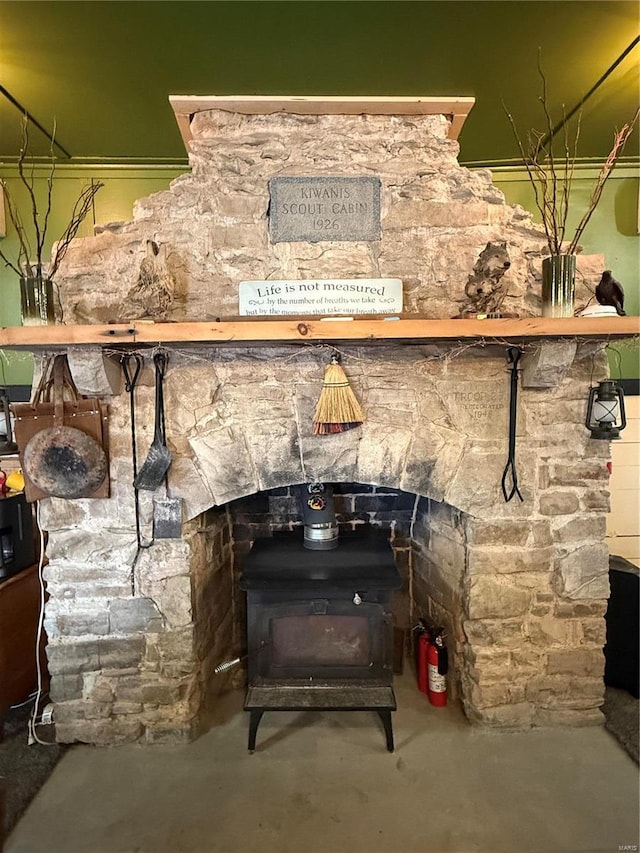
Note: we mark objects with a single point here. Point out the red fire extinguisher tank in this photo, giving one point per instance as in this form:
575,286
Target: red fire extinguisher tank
437,665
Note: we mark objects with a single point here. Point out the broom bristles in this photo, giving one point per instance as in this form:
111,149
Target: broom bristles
332,429
338,409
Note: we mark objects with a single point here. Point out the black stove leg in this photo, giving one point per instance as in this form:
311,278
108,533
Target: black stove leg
254,722
385,716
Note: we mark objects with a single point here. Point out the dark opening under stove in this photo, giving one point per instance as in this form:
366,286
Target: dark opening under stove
320,634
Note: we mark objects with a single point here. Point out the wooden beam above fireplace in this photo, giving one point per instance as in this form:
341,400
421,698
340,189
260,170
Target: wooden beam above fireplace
302,330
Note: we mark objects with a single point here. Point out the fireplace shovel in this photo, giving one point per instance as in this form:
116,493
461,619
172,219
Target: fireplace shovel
156,465
167,518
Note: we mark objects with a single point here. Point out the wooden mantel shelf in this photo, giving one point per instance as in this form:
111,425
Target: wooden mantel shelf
186,107
303,330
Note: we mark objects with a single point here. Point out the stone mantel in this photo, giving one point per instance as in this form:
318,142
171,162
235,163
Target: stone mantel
305,329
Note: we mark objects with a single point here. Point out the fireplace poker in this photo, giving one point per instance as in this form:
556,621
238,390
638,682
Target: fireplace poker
513,357
131,375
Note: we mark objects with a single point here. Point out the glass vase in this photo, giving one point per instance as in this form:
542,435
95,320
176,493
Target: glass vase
558,285
36,301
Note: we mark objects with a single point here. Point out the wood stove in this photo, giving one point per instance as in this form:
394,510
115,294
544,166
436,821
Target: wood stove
320,634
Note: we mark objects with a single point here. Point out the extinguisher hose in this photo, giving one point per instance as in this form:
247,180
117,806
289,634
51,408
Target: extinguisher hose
443,660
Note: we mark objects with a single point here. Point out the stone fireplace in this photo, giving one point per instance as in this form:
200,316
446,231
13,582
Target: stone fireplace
521,587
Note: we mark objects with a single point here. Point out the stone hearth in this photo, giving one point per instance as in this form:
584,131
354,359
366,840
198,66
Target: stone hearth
521,587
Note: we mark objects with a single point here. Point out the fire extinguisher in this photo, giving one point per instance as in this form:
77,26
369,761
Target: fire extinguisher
437,665
422,656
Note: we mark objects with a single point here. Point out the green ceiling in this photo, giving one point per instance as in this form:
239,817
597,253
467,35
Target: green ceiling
103,70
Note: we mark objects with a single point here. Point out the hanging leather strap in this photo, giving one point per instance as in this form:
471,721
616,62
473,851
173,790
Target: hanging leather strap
54,379
58,390
44,385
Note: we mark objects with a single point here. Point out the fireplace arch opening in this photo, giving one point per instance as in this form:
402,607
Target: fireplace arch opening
428,542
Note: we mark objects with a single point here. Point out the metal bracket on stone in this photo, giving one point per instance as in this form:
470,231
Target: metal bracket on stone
547,365
95,374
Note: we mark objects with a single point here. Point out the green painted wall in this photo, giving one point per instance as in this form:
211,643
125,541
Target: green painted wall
103,70
613,230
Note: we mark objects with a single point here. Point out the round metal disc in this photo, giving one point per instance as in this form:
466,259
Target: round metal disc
65,462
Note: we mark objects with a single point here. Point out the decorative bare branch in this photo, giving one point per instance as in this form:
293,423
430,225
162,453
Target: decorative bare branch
24,249
551,176
30,259
619,140
537,177
28,183
81,208
50,177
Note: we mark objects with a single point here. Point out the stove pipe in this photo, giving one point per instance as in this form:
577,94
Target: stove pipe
320,526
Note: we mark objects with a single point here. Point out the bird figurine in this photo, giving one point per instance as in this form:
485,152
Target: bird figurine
610,292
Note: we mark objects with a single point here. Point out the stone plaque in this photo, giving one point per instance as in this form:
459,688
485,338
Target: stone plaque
328,296
321,208
477,408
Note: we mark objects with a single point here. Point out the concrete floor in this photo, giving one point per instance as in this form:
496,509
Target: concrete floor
324,783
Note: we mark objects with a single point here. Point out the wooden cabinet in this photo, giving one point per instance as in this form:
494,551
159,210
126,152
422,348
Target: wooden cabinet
19,613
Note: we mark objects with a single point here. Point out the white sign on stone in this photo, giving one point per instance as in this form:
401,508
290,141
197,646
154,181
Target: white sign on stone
328,296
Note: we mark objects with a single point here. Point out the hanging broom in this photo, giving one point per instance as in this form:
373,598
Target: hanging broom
337,409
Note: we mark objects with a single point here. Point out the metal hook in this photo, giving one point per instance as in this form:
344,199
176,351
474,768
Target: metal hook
131,377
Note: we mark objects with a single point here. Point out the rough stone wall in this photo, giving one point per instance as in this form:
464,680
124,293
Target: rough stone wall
218,634
524,594
436,218
522,589
240,422
439,568
122,667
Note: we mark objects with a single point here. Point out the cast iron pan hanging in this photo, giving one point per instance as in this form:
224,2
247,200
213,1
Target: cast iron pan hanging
65,462
62,438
